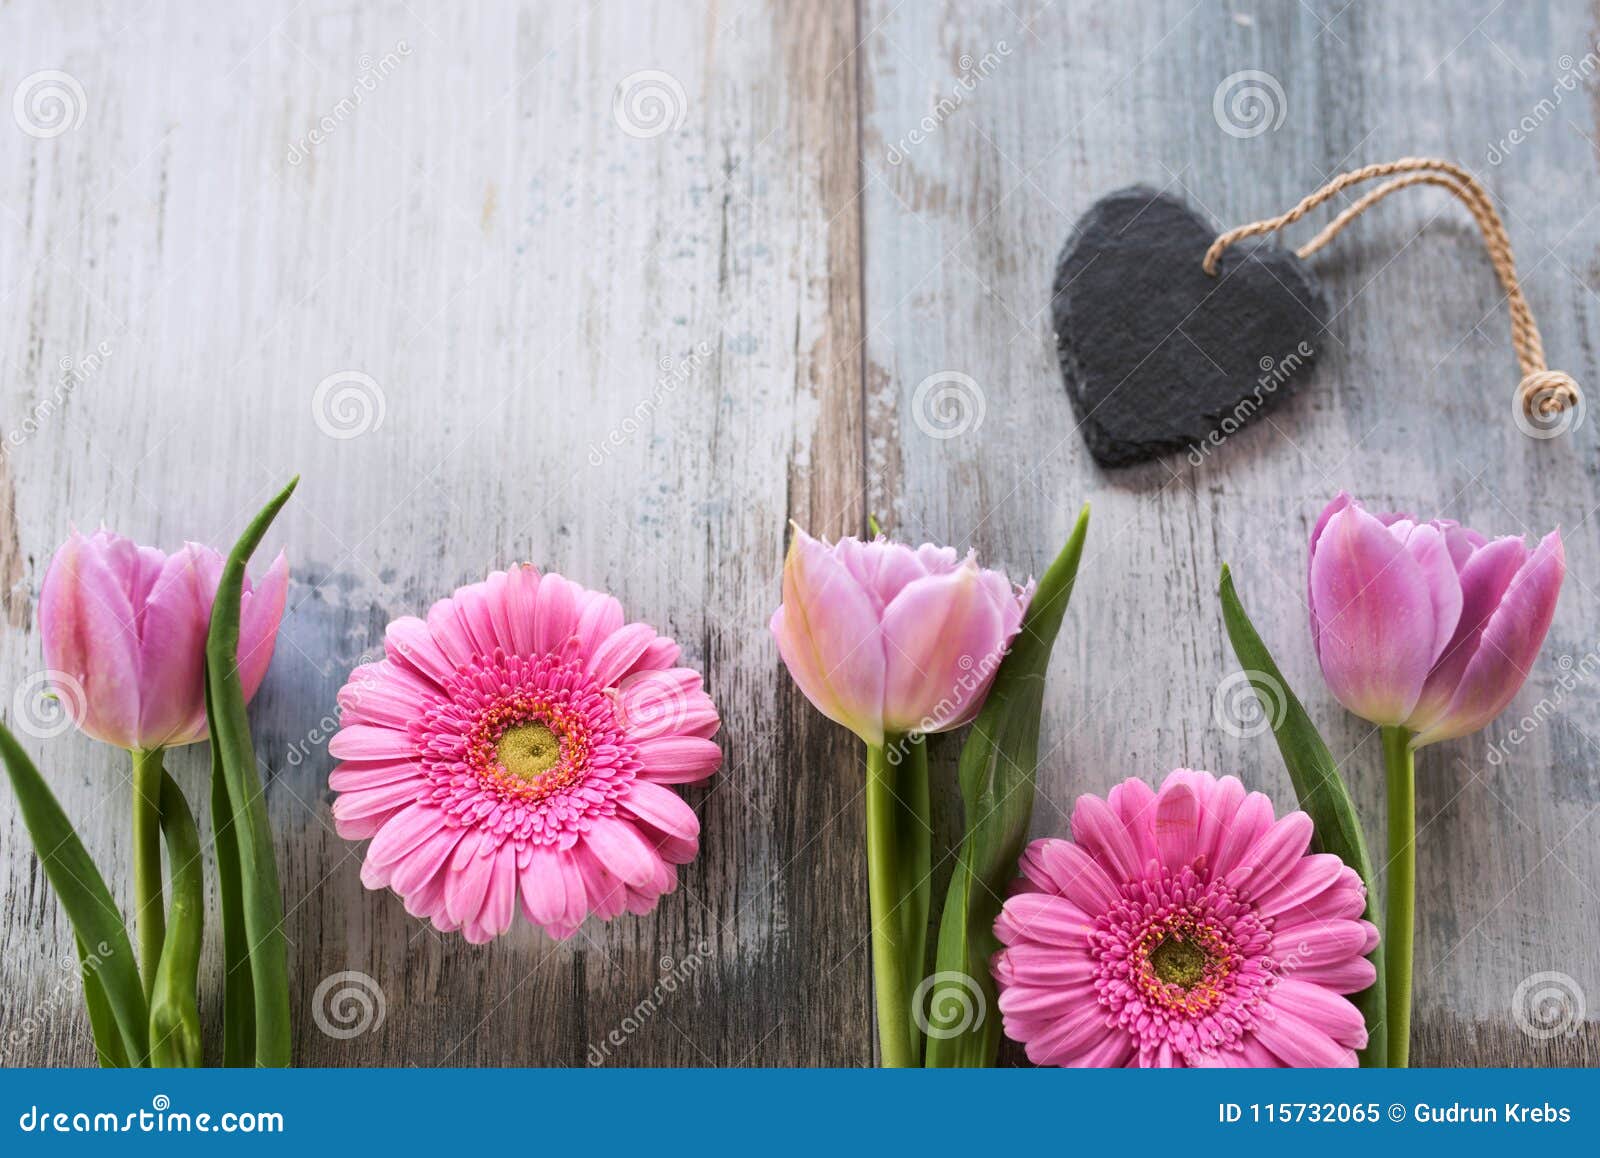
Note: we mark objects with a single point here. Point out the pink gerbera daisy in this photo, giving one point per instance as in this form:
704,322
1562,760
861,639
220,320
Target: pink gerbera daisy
518,747
1186,927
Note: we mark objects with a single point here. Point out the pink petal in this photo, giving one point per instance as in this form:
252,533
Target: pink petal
1249,825
260,613
1041,917
1273,856
1329,1012
619,847
940,634
662,808
1177,825
450,633
606,893
599,617
423,863
1300,1044
618,652
1219,804
500,904
1351,975
87,628
350,777
383,693
386,799
1065,868
1309,877
404,831
1376,627
1508,645
1320,944
679,759
1101,831
408,641
829,637
1485,576
1134,802
1028,963
371,742
1071,1035
175,618
555,615
544,892
467,882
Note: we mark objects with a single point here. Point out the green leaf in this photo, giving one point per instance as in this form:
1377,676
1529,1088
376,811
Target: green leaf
997,779
238,994
258,871
88,904
108,1045
1319,786
174,1004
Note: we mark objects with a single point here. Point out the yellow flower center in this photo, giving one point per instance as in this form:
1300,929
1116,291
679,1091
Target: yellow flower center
528,751
1178,962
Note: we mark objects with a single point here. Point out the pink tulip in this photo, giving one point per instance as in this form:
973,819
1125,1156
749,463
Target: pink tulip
1427,625
124,630
884,638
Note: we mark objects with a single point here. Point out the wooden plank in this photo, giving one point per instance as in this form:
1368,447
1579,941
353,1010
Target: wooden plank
626,354
1032,112
632,355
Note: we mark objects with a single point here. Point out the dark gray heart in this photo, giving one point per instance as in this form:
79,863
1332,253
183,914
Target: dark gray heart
1159,355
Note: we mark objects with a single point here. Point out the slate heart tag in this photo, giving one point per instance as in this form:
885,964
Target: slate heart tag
1157,354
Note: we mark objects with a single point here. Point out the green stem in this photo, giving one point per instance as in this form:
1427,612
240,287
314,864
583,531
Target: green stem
149,912
1400,762
175,1006
885,891
915,822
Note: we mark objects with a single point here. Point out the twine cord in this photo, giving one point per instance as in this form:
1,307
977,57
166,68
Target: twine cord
1543,392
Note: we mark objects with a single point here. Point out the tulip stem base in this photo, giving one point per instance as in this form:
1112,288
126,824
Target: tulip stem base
887,893
149,911
1399,936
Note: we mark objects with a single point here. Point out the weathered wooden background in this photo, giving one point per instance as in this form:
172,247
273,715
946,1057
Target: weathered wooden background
629,338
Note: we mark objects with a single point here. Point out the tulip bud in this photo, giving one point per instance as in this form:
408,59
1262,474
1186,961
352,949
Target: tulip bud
1427,625
885,638
128,625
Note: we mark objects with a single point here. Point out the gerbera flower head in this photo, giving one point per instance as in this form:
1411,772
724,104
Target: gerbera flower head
1185,927
516,750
